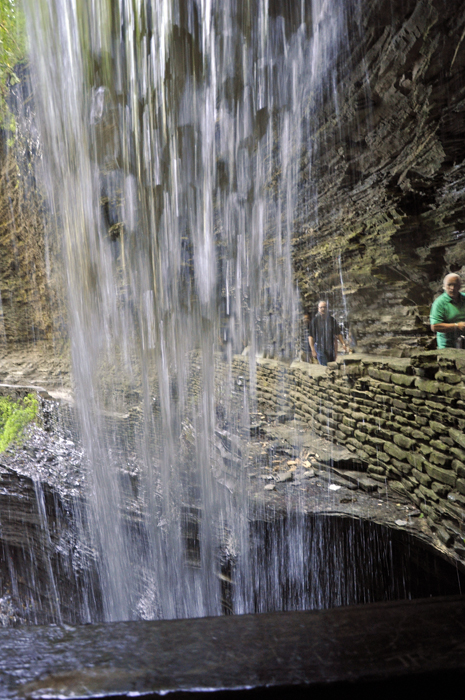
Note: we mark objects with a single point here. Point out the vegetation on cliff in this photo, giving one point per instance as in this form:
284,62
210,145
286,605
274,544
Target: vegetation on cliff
15,416
12,51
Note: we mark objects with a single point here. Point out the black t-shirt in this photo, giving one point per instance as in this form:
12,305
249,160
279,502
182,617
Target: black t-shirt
323,330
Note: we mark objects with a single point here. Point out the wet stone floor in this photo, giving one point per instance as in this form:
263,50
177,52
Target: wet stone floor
284,467
291,467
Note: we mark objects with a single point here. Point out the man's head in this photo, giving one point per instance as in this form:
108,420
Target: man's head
452,285
322,308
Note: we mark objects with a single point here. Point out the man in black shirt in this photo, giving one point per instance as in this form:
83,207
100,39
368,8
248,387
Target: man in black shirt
323,335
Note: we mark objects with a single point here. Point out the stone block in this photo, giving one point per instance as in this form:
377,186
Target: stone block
368,428
380,374
398,487
428,493
402,379
375,469
357,394
404,441
460,486
350,422
439,445
458,436
439,458
439,428
428,433
355,443
416,460
401,366
401,405
459,467
415,393
357,416
367,410
427,385
403,467
326,422
440,489
379,478
393,473
408,485
452,392
345,428
395,451
375,442
385,435
384,387
421,478
445,476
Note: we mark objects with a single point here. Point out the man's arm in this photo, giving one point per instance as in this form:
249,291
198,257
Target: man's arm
311,342
340,337
447,327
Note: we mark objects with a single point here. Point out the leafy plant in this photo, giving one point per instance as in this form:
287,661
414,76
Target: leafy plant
12,52
14,417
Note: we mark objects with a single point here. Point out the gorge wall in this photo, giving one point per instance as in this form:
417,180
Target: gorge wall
380,215
383,173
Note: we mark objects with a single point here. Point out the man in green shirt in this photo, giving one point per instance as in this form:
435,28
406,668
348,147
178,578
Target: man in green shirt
448,313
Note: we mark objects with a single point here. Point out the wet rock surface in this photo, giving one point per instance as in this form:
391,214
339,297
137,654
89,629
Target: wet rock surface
286,466
47,566
380,650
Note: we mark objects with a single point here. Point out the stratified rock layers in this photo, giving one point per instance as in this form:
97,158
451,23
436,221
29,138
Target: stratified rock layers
383,170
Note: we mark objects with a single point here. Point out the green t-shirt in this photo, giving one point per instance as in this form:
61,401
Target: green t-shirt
445,310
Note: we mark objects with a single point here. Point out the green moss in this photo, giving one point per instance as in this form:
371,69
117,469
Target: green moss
14,417
12,52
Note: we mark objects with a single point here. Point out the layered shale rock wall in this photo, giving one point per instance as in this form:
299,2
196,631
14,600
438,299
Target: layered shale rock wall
381,216
403,419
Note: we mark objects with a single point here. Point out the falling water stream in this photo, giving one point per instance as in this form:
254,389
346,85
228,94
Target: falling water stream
171,133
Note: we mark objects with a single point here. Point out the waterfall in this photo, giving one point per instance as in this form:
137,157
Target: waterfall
172,133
